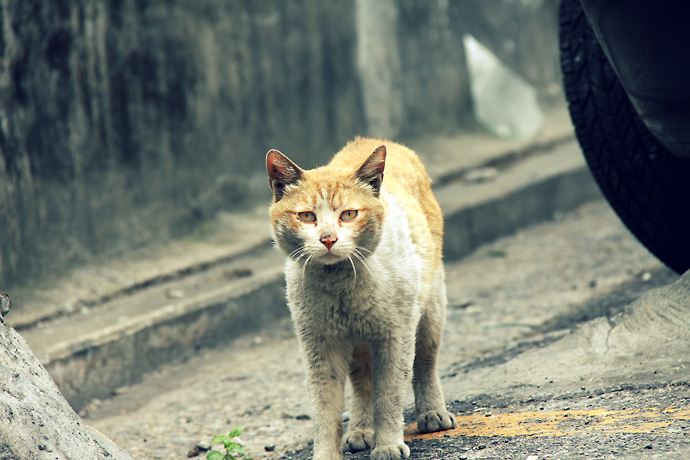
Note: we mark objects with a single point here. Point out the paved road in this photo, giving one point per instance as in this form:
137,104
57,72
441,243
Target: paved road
535,363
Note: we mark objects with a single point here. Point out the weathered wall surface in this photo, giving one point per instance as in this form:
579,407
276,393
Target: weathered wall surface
127,121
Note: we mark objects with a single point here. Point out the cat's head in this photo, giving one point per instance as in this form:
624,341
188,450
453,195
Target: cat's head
329,214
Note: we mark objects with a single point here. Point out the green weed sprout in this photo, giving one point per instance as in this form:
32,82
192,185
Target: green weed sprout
233,448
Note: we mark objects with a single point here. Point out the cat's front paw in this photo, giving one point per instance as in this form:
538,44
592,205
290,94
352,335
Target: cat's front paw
435,420
356,440
390,452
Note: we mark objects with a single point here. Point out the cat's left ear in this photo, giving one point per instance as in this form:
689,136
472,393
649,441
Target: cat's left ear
371,171
281,173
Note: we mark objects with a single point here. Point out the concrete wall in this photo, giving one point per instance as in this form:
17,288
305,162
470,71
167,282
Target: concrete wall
124,122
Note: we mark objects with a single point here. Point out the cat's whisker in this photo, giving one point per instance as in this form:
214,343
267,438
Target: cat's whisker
298,253
362,260
304,267
358,250
362,257
353,269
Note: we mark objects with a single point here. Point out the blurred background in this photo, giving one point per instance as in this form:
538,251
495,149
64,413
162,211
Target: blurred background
128,122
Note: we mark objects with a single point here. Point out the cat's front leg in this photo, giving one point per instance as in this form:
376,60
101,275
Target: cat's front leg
392,374
326,373
360,435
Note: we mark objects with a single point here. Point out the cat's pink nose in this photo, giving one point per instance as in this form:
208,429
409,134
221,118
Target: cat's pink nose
328,240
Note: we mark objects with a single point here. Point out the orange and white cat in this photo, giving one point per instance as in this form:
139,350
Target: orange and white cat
366,291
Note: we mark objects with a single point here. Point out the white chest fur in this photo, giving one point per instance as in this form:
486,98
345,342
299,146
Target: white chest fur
363,298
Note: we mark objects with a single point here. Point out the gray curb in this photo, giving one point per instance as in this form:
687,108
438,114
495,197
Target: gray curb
95,370
535,190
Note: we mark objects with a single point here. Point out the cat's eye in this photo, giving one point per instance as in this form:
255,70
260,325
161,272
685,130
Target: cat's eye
347,216
307,216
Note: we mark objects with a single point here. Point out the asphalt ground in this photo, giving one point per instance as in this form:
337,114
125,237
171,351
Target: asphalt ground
537,363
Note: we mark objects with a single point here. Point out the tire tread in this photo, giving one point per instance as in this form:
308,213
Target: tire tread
645,184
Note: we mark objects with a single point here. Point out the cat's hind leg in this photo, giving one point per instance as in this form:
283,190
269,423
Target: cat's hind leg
360,433
432,414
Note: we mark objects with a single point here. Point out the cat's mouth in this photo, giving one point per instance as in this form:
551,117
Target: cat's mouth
329,258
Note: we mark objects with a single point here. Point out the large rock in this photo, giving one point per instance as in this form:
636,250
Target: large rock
35,420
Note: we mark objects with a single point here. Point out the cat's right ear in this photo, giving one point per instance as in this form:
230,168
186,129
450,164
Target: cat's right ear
371,172
282,172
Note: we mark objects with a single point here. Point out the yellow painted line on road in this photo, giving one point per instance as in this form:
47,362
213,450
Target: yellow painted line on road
559,423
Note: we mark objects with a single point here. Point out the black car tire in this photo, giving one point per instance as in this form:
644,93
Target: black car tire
647,186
